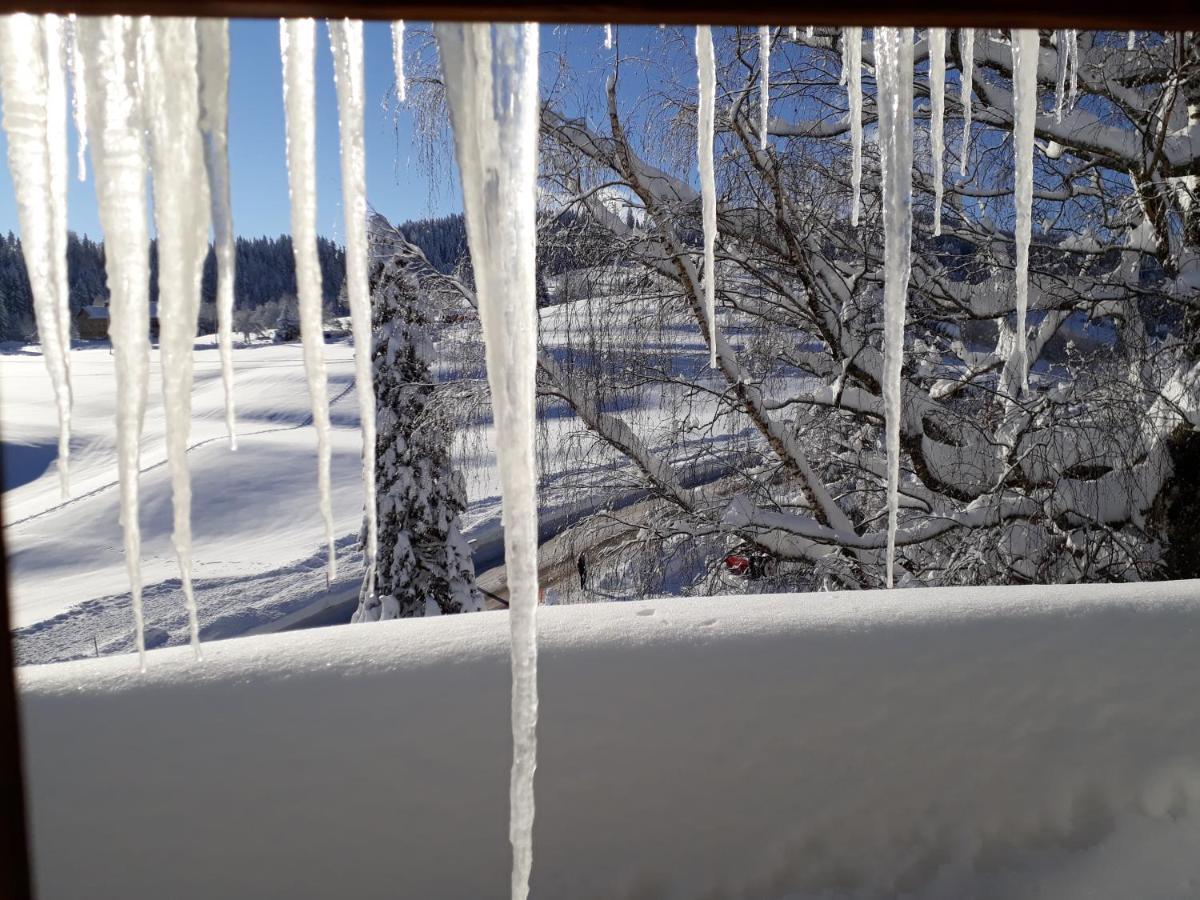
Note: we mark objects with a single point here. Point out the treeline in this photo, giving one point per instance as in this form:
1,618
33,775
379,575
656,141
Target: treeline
266,274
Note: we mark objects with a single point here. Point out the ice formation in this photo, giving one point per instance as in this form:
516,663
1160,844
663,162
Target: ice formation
967,48
213,37
181,209
1073,65
1060,86
894,65
346,39
1025,61
109,48
608,37
705,126
937,112
764,85
398,60
1131,42
31,79
491,80
853,39
78,97
296,43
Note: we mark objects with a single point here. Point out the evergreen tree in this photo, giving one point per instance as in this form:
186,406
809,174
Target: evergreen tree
424,565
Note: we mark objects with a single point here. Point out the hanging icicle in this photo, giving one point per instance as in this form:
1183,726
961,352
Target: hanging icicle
706,67
1131,43
894,70
810,31
296,43
398,60
967,48
1073,65
1025,63
491,80
181,210
78,97
937,114
764,84
608,37
346,40
109,48
31,78
852,37
794,33
213,37
1060,86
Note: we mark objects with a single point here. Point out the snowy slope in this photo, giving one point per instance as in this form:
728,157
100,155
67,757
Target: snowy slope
1010,744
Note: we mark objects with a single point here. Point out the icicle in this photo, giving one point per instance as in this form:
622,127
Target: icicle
296,43
794,33
398,60
1025,62
937,113
491,80
967,48
845,73
705,125
346,40
1060,87
109,47
608,37
853,39
213,37
1073,65
1131,43
894,70
78,97
809,31
181,210
764,84
31,78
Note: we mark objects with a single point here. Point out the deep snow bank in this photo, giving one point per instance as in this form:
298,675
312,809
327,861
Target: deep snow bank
1039,742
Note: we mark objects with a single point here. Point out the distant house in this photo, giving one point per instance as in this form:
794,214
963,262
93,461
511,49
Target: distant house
92,322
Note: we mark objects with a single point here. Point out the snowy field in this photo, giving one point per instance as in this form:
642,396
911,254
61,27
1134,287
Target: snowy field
952,744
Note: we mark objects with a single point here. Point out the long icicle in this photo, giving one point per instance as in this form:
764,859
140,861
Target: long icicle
1073,65
764,84
32,82
1025,62
398,60
853,39
967,49
181,210
894,61
608,37
213,37
78,98
346,41
109,47
491,80
937,114
297,45
706,67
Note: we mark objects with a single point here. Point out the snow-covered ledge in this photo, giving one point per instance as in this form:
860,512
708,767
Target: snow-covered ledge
1044,741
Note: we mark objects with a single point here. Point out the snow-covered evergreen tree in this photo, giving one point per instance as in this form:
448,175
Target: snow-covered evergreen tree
424,564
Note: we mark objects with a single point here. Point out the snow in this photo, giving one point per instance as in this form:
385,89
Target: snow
853,40
894,60
764,83
31,80
1025,62
119,164
966,87
213,36
181,207
346,41
296,44
937,113
496,146
1034,743
705,127
398,60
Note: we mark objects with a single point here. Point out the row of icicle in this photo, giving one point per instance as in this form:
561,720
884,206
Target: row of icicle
161,85
894,76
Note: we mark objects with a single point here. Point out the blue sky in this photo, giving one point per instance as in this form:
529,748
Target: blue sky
397,185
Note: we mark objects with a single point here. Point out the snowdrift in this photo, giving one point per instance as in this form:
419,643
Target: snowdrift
1040,742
